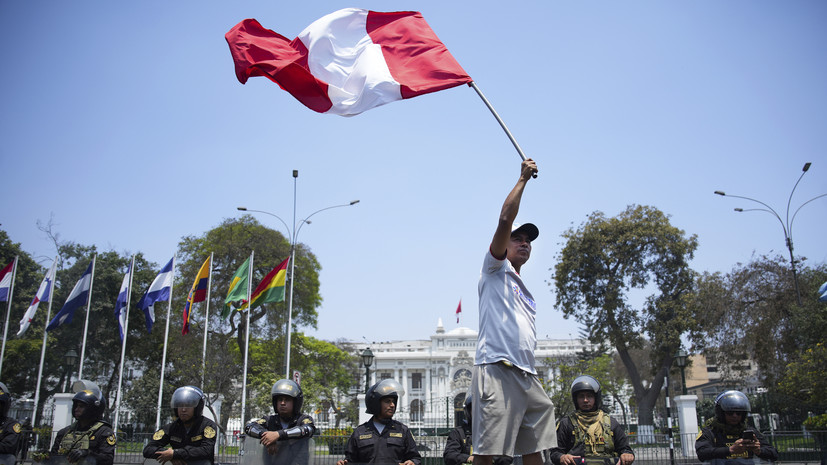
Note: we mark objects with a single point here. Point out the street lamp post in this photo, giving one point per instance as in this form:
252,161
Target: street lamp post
367,361
293,235
787,226
680,361
70,357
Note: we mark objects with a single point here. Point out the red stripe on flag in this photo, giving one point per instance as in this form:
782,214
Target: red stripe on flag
416,58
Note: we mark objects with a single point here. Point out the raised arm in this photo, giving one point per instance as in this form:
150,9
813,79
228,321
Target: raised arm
510,208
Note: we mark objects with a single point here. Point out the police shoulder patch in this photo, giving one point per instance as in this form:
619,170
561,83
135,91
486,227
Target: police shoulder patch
158,435
306,421
261,421
699,435
16,428
209,432
111,440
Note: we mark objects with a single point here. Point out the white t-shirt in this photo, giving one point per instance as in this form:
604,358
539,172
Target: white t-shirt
507,312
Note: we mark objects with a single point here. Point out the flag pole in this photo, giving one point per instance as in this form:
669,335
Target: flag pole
123,344
247,339
8,313
86,325
473,85
164,357
206,325
43,348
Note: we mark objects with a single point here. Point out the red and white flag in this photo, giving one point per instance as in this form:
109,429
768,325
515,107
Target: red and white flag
459,310
349,61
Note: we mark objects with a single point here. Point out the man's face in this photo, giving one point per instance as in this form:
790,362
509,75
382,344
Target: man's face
733,418
284,406
186,413
78,410
387,407
585,401
519,248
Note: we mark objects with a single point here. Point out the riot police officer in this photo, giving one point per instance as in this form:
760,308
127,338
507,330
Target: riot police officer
726,440
191,436
89,439
458,448
382,439
285,434
9,429
589,435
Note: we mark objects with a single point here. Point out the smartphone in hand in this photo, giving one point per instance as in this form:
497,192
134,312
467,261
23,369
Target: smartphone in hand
748,435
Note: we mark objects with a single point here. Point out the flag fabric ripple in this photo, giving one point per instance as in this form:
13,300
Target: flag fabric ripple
5,281
158,291
349,61
120,302
44,293
271,288
198,293
77,298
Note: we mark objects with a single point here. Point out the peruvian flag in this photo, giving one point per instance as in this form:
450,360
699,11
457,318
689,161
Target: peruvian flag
459,309
349,61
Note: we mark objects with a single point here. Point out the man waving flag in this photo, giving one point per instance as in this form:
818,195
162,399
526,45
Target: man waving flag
349,61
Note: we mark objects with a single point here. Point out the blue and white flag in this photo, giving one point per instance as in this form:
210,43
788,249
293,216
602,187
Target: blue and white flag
158,291
77,298
44,293
120,303
822,293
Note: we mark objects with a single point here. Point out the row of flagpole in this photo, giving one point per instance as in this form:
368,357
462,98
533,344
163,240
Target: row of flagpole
158,291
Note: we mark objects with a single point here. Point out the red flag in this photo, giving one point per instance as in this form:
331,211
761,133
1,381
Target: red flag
459,309
349,61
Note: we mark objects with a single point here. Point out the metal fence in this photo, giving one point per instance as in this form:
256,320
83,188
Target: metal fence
793,447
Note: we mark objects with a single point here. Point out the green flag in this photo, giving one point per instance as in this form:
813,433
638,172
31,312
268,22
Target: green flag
238,288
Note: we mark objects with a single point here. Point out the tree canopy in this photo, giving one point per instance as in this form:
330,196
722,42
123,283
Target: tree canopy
600,265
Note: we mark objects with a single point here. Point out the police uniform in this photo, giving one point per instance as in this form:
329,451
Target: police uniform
712,446
99,440
193,445
290,451
458,448
9,440
394,445
571,440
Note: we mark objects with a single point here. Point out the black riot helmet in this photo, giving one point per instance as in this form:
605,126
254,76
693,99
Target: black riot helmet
89,393
188,396
586,383
466,407
5,400
286,387
731,401
384,388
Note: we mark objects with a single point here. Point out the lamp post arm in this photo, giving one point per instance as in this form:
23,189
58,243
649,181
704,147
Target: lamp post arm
799,208
790,199
271,214
307,218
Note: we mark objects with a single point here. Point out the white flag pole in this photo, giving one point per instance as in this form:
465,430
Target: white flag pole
247,340
86,325
8,314
123,343
43,348
164,357
206,324
473,85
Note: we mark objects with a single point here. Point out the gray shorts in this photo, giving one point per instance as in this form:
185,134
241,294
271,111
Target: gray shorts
511,414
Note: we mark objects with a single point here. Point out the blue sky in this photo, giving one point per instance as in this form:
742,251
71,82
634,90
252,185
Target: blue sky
126,122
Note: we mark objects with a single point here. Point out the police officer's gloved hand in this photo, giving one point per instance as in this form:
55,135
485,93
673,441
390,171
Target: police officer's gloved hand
77,454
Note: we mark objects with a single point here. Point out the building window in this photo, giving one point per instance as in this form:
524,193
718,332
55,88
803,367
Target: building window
385,375
417,408
416,381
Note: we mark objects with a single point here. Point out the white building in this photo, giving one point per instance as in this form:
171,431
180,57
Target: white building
436,372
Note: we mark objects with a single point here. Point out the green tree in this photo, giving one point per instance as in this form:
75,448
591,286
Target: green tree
751,313
231,243
600,264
